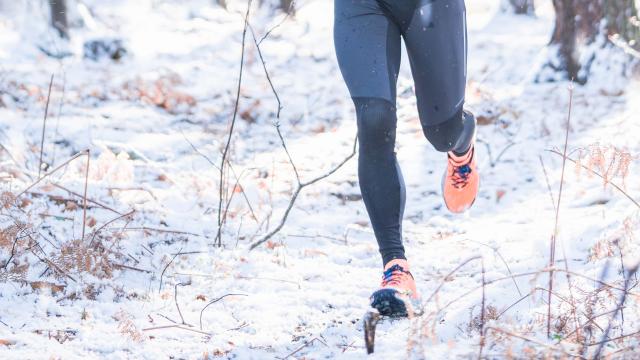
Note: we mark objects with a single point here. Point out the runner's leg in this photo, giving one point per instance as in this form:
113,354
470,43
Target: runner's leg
436,42
368,47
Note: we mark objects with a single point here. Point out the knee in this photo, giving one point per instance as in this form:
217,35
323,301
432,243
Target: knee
445,135
376,122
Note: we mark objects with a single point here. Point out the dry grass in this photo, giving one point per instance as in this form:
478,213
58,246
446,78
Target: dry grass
582,319
77,256
606,160
127,327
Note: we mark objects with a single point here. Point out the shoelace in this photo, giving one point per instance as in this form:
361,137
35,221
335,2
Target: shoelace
393,275
460,176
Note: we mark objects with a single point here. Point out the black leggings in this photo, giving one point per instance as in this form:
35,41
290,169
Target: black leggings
368,42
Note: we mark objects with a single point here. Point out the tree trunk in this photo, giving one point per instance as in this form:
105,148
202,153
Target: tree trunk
59,17
520,7
222,3
286,6
583,22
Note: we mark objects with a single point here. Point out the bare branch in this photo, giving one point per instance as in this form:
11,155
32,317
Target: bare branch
232,126
175,297
44,126
295,195
544,169
166,267
84,202
82,153
215,301
623,298
552,250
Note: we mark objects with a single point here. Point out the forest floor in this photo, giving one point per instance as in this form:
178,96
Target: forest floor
146,281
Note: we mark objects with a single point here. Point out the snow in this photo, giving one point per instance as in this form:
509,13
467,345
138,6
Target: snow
308,288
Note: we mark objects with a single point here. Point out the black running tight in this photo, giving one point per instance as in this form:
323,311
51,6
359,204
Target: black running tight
368,37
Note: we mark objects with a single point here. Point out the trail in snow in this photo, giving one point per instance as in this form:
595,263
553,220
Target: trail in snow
311,284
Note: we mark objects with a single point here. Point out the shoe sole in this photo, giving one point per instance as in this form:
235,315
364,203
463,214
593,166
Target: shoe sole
388,303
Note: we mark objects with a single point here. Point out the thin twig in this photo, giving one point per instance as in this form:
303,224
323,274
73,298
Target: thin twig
228,202
522,337
307,343
603,342
176,327
82,153
55,132
444,279
482,311
493,162
175,297
131,268
241,277
289,11
215,301
109,223
167,231
166,267
266,72
591,320
200,152
44,126
238,184
552,250
544,169
496,251
218,239
84,204
623,299
53,265
512,305
299,188
88,199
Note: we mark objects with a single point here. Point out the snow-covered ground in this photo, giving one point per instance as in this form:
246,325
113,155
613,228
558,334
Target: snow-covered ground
149,119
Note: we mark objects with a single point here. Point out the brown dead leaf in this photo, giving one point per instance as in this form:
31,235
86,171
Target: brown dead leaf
36,285
47,188
486,120
272,245
25,203
312,252
614,93
70,206
91,221
6,342
248,114
7,199
320,129
201,297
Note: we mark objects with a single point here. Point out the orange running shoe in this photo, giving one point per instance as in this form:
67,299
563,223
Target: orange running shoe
461,181
396,289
